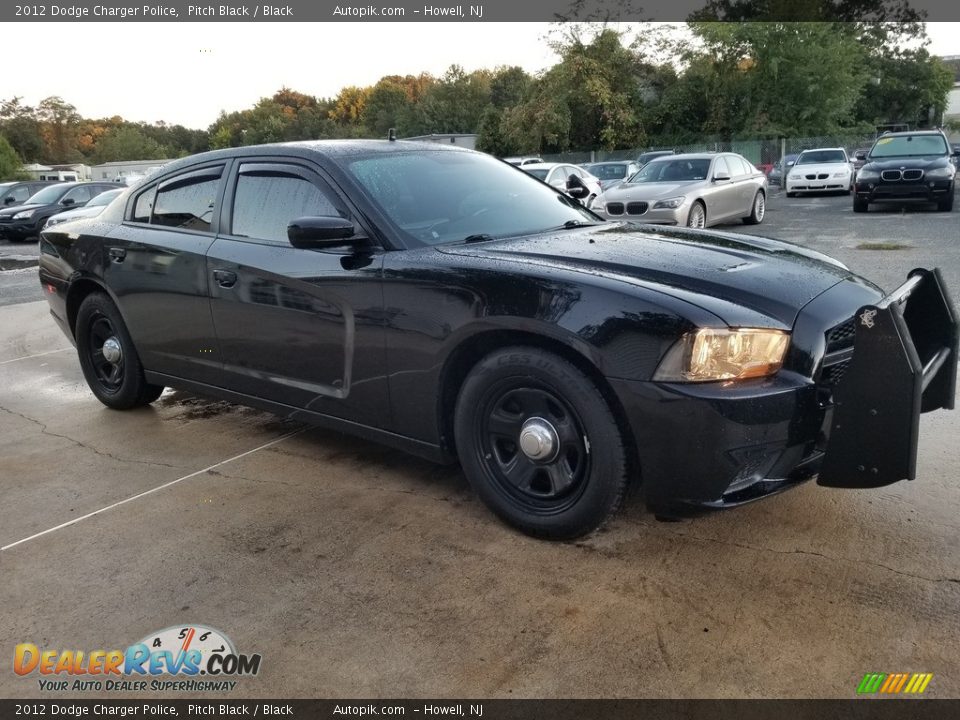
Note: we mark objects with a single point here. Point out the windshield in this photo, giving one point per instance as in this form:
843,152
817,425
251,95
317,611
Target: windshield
608,172
673,171
909,146
819,157
47,196
442,196
104,198
538,173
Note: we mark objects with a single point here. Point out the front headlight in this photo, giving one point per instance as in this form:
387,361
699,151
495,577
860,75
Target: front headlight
669,203
724,354
53,221
794,177
867,175
25,215
942,173
842,173
597,203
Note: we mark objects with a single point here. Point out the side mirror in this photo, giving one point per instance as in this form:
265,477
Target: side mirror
311,233
8,200
576,187
860,155
68,201
720,176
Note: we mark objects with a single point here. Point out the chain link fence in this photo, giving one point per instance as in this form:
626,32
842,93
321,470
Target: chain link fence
762,152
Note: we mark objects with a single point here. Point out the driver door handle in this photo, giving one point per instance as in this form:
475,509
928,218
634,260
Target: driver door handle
225,278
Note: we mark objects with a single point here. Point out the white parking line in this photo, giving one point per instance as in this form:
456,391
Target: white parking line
149,492
27,357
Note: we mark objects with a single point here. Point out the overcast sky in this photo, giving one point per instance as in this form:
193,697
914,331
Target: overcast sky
197,69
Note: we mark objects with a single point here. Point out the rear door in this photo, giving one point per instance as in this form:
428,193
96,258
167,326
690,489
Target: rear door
299,327
155,262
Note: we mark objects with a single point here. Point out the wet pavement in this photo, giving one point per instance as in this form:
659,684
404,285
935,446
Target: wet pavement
358,571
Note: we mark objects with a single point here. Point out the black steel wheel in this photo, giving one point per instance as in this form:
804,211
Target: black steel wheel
108,358
539,444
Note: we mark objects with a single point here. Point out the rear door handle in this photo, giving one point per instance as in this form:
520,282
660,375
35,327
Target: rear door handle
117,254
225,278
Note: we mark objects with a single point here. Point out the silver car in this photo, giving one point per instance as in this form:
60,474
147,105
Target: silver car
696,190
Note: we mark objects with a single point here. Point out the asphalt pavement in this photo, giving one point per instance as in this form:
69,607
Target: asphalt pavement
357,571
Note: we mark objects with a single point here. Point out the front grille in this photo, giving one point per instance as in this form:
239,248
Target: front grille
838,355
615,208
891,175
841,336
912,174
636,208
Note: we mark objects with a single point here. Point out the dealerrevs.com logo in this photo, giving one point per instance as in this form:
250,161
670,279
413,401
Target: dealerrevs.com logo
188,658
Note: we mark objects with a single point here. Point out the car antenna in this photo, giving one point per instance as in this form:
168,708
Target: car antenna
392,134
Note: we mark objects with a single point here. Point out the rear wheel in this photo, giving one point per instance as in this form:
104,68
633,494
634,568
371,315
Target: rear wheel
108,358
758,210
539,444
860,206
698,215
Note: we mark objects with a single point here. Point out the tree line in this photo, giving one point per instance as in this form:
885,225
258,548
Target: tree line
609,89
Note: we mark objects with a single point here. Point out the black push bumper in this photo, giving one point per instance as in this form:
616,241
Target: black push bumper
904,363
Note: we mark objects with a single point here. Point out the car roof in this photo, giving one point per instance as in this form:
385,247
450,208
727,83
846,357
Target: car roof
545,165
691,156
906,133
611,162
824,148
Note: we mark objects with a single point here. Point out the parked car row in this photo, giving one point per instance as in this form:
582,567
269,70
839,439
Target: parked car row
24,221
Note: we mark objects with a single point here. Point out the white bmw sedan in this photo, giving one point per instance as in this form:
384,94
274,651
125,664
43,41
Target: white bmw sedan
820,170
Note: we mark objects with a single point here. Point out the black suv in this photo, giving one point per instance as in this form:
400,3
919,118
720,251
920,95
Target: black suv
906,166
24,221
16,193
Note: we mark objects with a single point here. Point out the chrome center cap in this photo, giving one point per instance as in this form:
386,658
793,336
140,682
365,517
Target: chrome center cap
112,352
538,440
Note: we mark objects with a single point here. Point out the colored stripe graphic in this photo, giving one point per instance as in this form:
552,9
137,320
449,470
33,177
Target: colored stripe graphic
894,683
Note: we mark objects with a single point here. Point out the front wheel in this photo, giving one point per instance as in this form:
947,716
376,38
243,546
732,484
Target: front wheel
539,444
108,358
860,206
698,215
758,210
946,205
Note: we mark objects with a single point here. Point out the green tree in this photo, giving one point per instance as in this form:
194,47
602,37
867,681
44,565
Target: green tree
59,124
129,143
20,125
11,167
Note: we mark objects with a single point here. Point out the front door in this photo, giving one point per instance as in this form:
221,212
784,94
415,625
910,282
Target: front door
298,327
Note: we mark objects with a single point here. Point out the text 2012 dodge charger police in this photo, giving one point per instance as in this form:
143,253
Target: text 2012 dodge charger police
444,302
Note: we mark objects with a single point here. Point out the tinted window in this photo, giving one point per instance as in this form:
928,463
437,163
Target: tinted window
79,195
685,170
144,206
187,202
538,173
20,194
266,201
49,195
738,166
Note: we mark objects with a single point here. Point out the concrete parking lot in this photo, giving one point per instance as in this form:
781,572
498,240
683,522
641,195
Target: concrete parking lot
357,571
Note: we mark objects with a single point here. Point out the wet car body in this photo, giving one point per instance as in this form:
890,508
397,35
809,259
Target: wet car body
381,335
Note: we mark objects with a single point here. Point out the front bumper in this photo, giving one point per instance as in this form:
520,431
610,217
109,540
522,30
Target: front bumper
643,212
714,445
819,184
19,229
923,191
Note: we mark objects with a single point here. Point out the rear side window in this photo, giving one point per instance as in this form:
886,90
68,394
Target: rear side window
268,197
186,201
21,193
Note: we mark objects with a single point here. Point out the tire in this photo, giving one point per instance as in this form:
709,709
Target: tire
860,206
758,210
563,495
791,194
120,384
697,218
946,205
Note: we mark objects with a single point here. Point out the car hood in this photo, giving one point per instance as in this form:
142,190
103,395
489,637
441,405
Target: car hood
767,276
19,208
625,191
815,168
924,162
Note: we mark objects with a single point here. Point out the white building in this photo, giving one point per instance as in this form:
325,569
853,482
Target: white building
61,173
122,169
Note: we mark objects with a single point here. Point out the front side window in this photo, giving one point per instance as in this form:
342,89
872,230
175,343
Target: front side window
79,195
267,200
187,202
